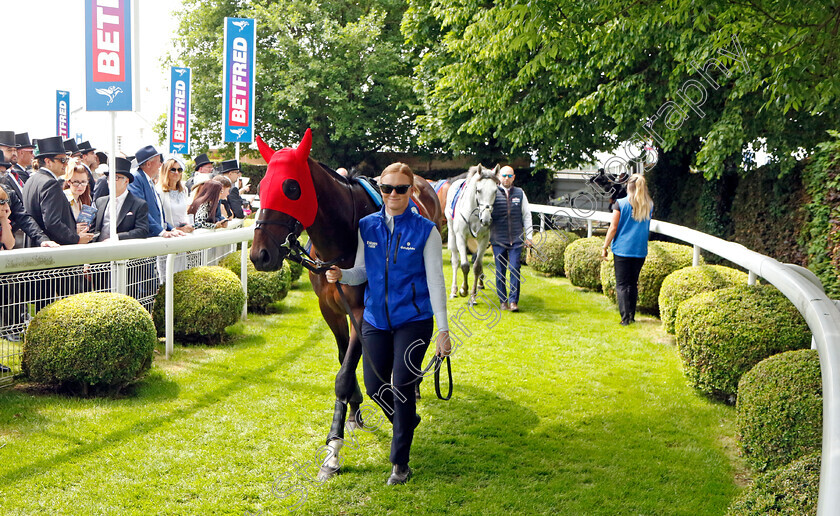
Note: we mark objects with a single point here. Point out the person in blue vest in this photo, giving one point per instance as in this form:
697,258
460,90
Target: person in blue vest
511,230
628,234
149,161
399,254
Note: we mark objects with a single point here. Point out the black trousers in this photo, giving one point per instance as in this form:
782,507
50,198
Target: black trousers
627,271
396,352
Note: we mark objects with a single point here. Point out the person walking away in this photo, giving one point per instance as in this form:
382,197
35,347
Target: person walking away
628,234
399,254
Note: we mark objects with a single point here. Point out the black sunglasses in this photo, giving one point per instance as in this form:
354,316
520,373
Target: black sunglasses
176,169
400,189
3,202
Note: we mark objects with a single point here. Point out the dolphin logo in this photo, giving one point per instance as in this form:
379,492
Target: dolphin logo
111,92
241,24
238,132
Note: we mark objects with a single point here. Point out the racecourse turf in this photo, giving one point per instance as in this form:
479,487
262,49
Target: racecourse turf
557,410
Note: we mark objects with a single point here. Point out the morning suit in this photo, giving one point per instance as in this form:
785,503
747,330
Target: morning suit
44,199
23,173
234,203
142,188
132,220
19,218
100,189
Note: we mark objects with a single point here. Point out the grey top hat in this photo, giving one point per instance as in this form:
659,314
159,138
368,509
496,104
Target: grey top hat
48,147
22,141
7,138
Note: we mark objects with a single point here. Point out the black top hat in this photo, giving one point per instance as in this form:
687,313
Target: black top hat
145,154
22,141
228,166
86,147
103,158
124,168
71,147
48,147
202,160
7,138
3,163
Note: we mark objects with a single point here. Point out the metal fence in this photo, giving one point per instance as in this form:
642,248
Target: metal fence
29,283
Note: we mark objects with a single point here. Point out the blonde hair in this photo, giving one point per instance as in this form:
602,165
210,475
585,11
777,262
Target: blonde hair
3,194
398,168
164,183
637,194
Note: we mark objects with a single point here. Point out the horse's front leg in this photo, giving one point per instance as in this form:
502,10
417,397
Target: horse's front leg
478,268
454,259
463,250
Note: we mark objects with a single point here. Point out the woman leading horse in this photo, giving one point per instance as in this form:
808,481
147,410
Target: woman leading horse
299,193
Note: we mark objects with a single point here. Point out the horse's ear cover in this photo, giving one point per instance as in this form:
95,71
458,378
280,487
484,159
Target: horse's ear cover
284,166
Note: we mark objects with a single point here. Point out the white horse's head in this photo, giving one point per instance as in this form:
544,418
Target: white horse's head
485,180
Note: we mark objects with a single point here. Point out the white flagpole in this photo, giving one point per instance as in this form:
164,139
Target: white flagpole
112,179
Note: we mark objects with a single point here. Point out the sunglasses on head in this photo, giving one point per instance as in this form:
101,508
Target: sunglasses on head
400,189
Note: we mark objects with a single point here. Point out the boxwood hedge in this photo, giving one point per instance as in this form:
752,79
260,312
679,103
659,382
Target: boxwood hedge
583,262
723,333
264,288
780,409
663,258
690,281
789,491
97,339
206,301
547,253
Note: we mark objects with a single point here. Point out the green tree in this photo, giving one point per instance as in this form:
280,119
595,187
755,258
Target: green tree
336,66
564,79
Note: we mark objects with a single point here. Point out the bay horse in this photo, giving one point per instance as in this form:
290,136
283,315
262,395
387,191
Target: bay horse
300,193
471,216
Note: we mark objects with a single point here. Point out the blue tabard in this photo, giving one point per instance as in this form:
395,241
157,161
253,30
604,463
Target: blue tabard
397,292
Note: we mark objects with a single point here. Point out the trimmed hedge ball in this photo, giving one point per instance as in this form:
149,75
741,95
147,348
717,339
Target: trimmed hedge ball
94,339
206,301
547,253
264,288
583,262
792,490
663,258
296,271
690,281
724,333
780,409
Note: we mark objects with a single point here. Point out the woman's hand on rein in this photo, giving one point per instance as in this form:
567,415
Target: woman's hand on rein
334,274
443,344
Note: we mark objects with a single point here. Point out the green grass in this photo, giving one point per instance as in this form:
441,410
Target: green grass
556,410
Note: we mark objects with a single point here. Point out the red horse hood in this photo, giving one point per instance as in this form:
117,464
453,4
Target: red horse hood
287,186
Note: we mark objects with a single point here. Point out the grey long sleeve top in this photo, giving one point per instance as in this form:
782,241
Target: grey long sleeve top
433,260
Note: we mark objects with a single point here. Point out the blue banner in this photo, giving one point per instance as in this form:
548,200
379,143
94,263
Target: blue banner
238,97
108,55
179,111
62,113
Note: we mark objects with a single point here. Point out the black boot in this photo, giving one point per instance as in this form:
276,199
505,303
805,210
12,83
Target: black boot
399,475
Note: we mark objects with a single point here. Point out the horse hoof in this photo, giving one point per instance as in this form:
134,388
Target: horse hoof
471,302
355,422
462,293
453,295
326,473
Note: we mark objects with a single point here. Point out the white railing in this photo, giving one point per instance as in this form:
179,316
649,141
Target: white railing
804,290
140,279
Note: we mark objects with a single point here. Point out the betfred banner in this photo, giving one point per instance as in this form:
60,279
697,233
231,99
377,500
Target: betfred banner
108,55
179,111
238,98
62,113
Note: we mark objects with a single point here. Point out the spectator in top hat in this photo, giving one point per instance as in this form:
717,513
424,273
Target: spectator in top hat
203,171
44,199
101,187
7,237
149,161
132,212
8,148
233,203
88,159
23,225
26,153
